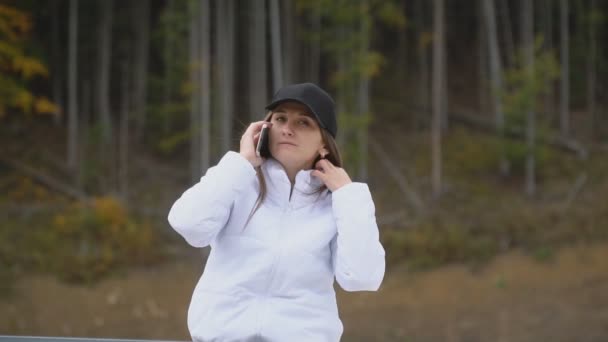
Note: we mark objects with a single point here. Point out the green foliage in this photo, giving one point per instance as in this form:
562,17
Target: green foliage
436,243
346,35
352,123
482,214
467,154
524,83
523,86
169,87
473,155
168,144
480,229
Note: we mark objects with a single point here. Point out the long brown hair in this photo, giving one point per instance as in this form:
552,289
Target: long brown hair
333,156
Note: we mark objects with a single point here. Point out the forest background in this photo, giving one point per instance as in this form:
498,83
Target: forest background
480,126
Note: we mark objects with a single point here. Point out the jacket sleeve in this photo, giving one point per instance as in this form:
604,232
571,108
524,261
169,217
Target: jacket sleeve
203,210
357,255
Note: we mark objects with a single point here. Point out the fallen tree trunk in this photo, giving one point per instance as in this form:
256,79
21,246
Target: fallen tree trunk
482,124
410,195
45,179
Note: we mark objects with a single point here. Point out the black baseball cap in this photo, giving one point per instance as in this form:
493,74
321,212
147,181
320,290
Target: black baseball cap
312,96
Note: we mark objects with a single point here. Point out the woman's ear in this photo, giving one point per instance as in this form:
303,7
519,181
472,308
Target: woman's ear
323,152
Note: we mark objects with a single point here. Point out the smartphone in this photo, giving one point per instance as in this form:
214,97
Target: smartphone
262,149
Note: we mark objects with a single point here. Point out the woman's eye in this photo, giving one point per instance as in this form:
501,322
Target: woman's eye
280,119
303,122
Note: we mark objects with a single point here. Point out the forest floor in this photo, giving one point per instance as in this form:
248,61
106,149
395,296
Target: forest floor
513,298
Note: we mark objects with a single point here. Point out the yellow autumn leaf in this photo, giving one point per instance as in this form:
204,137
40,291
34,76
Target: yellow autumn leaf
43,105
8,51
24,100
426,38
13,22
29,67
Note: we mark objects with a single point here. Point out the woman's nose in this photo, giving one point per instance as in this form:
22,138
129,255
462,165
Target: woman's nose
286,130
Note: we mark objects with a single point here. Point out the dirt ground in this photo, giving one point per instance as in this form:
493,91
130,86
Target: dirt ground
513,298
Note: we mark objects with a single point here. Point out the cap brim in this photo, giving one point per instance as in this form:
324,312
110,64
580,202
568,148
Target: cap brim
274,104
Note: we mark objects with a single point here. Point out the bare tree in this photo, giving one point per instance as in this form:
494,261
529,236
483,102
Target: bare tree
564,108
291,50
423,64
277,60
103,78
194,57
56,59
72,152
438,93
482,41
527,7
123,146
591,68
168,56
257,61
314,54
547,17
225,52
142,42
363,94
496,78
504,13
205,84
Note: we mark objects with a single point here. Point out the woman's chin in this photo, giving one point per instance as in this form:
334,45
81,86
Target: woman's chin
286,158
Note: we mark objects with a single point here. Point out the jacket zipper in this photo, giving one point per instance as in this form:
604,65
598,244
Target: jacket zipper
274,268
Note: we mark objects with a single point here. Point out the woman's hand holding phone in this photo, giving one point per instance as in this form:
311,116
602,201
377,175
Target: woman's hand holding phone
249,142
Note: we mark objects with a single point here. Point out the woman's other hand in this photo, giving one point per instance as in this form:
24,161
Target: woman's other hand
332,176
249,141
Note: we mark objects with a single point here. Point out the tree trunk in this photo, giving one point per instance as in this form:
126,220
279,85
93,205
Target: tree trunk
564,109
142,19
402,47
314,64
168,57
591,69
363,94
277,61
528,43
445,121
483,60
104,54
225,52
72,152
194,56
548,107
257,61
496,79
291,49
84,127
509,43
423,64
106,152
123,146
438,94
341,91
56,60
205,84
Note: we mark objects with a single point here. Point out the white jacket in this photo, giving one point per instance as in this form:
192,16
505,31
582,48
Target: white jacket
273,279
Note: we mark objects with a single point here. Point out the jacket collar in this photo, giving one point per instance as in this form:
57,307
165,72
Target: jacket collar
278,186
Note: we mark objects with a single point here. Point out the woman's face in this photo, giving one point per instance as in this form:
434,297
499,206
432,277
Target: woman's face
295,136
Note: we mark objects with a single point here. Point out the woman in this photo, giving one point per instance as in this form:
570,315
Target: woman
280,230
